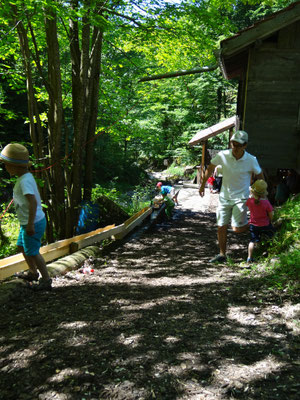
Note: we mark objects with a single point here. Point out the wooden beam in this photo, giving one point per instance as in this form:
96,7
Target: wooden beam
16,263
135,222
178,73
100,236
53,251
203,160
135,216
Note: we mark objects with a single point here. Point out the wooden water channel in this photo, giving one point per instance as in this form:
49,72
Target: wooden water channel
10,265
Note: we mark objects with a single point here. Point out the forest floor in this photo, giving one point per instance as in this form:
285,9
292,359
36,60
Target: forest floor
155,321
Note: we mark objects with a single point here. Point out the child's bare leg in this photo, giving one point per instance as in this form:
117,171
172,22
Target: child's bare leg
175,198
39,261
251,249
31,264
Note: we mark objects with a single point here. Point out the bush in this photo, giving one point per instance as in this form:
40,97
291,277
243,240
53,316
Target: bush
10,229
282,266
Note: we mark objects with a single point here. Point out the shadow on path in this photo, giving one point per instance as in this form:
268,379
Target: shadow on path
155,321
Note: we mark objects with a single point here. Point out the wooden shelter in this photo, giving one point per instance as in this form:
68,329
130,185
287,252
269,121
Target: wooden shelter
265,58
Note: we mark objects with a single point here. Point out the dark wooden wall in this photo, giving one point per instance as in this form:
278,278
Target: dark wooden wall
272,113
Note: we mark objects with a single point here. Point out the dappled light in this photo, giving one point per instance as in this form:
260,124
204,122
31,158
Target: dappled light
154,320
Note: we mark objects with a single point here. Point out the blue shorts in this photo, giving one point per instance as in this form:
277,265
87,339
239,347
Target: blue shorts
256,232
32,244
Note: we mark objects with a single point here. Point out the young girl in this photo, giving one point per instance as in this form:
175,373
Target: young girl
261,215
30,214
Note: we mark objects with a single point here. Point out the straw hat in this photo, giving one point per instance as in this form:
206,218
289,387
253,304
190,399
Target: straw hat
259,188
15,154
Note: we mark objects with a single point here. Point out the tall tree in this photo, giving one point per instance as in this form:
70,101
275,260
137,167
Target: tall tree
63,46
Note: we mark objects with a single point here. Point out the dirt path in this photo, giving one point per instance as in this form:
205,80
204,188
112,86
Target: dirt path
155,321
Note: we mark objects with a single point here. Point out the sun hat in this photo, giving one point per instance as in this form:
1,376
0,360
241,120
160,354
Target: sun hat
159,184
259,188
15,154
240,137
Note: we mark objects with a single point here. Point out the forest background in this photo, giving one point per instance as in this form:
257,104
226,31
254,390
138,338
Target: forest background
70,90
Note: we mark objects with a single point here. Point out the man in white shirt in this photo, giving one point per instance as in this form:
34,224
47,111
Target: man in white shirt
237,169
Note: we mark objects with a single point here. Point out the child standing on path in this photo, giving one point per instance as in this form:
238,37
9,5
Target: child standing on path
261,215
29,213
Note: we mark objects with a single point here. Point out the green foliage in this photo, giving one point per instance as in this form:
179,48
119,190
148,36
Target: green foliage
10,229
144,123
141,197
130,199
284,272
282,266
175,171
289,233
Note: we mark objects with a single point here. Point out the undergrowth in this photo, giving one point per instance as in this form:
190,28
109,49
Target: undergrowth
130,199
281,268
9,235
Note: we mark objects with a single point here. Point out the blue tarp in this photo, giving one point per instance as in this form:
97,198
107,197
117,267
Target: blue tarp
88,217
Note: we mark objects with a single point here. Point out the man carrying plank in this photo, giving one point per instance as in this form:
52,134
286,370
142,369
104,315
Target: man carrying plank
238,166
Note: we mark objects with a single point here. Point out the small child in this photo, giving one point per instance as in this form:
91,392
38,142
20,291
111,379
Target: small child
29,213
261,215
168,191
210,183
169,197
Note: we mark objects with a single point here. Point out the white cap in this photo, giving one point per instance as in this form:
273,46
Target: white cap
240,137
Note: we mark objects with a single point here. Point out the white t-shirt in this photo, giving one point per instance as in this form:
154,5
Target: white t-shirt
236,174
26,184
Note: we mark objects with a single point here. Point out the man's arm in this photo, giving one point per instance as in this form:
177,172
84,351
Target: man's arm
260,176
208,173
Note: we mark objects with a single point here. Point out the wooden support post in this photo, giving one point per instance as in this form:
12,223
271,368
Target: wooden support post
230,136
203,160
198,181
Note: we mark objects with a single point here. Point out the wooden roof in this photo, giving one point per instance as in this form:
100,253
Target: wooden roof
238,44
214,130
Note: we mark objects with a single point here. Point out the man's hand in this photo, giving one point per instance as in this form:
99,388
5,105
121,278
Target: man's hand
30,229
208,173
202,190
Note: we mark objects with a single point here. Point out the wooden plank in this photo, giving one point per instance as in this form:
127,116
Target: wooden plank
50,252
13,264
213,130
9,270
137,221
11,259
135,216
100,236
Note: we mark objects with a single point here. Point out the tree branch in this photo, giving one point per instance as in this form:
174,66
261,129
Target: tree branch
122,16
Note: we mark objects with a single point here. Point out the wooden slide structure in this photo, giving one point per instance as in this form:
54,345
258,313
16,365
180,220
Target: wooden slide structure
54,251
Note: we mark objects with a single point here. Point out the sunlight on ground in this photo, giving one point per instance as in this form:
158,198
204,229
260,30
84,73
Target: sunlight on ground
228,371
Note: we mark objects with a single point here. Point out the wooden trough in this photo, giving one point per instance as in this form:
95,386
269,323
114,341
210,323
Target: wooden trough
53,251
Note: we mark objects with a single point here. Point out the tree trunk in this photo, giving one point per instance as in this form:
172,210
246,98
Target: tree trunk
79,78
35,126
94,78
55,122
